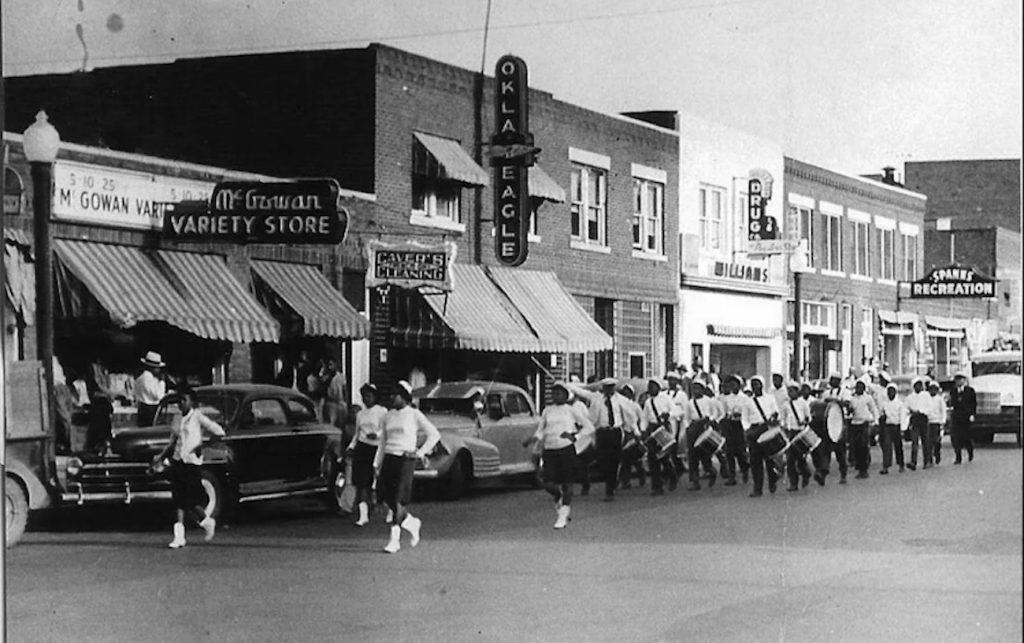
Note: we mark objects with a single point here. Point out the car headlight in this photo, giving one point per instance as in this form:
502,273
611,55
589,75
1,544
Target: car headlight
74,467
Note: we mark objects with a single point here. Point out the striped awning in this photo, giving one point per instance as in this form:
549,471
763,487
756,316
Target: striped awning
307,292
480,316
194,292
454,161
542,186
561,324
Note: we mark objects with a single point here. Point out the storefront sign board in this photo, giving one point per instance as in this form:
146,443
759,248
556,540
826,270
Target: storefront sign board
118,198
953,282
743,272
760,226
512,154
410,264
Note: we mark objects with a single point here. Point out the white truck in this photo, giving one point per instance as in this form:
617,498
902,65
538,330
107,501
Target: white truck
997,382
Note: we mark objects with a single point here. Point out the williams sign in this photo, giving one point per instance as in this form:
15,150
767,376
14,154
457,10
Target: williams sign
954,282
512,155
304,211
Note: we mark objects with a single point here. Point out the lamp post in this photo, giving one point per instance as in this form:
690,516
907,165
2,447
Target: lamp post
41,142
797,265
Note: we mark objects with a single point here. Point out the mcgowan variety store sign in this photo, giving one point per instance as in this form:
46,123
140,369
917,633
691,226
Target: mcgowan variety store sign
304,211
953,282
410,264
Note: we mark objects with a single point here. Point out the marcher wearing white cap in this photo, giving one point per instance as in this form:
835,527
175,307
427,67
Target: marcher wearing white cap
150,388
892,416
608,415
964,405
738,415
837,394
700,412
917,404
767,416
863,414
678,398
796,416
936,420
632,441
656,416
396,459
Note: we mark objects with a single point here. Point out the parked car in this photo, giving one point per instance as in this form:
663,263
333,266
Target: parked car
997,382
483,425
274,447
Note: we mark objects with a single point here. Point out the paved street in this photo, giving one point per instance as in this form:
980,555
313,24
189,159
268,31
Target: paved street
924,556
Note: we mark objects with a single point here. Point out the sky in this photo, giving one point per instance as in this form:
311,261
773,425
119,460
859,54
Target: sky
851,85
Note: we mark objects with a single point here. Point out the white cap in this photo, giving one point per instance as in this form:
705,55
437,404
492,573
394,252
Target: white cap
609,381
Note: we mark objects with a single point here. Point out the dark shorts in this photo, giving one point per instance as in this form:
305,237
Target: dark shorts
362,465
395,481
187,486
145,414
559,465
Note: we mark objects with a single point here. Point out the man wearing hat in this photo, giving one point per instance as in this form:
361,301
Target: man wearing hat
863,414
837,394
796,416
892,413
632,452
608,415
678,398
964,404
917,405
767,415
150,388
936,420
656,415
737,416
699,413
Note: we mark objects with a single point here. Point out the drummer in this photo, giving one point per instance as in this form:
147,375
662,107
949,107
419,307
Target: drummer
864,413
837,394
656,414
766,416
677,397
631,458
779,390
892,416
796,416
699,413
608,414
737,416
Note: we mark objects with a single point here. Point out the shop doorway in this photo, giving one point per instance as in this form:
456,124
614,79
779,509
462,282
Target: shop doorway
739,359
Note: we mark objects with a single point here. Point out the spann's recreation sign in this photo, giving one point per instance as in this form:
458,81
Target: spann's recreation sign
297,212
953,282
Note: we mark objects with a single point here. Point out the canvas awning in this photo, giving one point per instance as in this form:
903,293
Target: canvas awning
19,274
561,324
454,161
306,291
947,323
752,332
897,317
192,291
542,186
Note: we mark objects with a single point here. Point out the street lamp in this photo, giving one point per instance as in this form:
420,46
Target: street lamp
40,143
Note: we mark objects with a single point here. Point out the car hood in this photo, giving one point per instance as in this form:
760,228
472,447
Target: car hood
451,422
997,383
140,444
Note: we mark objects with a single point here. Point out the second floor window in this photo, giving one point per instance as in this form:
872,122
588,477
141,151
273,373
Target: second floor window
804,218
588,192
887,246
861,248
909,243
833,228
710,215
433,195
649,216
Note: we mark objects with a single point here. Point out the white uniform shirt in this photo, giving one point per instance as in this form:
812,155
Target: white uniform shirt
368,427
795,414
400,428
653,409
188,429
149,389
557,419
893,410
936,409
768,408
708,407
918,402
631,418
599,409
864,410
739,406
781,396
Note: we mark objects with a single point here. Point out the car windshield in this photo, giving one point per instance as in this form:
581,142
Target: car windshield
447,406
217,407
1008,367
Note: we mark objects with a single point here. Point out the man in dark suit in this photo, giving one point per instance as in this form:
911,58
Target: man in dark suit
964,404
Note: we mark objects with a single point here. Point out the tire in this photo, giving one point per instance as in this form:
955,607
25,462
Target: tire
16,510
454,483
984,437
218,500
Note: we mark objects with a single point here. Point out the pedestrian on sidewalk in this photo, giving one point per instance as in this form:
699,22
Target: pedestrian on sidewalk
561,426
363,449
964,404
186,460
396,459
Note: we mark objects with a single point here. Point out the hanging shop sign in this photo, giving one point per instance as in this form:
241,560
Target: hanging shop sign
953,282
739,271
118,198
410,264
512,154
295,212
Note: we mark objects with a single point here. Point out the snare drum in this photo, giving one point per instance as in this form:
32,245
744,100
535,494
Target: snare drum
632,449
773,442
709,442
806,441
835,422
661,442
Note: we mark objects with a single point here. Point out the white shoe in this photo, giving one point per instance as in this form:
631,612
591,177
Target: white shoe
364,515
563,517
179,536
209,525
394,545
390,517
412,524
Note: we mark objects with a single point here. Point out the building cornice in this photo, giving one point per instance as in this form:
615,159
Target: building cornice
861,187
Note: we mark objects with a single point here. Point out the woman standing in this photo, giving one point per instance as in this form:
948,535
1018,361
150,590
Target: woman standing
363,449
396,461
560,424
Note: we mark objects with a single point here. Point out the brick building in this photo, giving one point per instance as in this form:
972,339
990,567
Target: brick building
409,131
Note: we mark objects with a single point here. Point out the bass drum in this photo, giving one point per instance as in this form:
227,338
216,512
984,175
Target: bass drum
835,422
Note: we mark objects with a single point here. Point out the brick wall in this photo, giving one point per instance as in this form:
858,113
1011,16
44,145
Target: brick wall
977,193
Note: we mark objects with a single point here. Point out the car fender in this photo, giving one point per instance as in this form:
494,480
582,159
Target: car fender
480,451
38,496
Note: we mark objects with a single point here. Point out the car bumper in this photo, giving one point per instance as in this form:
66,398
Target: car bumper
76,494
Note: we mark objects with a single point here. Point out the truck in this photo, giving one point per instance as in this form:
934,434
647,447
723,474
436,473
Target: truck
996,379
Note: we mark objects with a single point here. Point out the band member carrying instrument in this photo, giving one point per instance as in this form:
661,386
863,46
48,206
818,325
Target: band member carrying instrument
699,414
737,416
892,415
678,397
607,413
837,409
863,413
766,418
632,442
917,405
655,423
796,416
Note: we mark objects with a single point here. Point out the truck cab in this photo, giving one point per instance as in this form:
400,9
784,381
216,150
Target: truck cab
996,379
